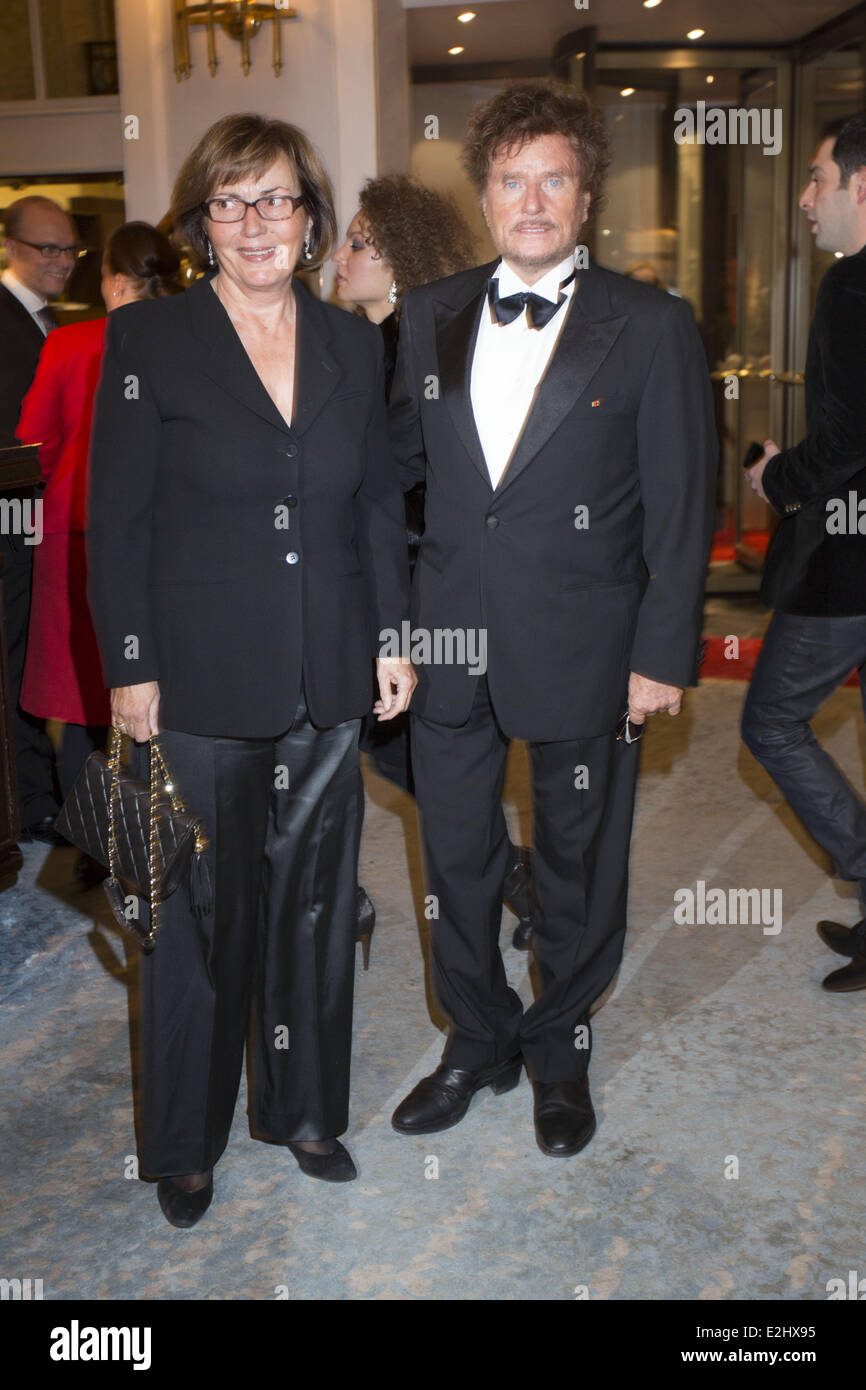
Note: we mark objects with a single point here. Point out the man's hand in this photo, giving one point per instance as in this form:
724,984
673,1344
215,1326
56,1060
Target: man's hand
135,709
396,680
649,697
755,474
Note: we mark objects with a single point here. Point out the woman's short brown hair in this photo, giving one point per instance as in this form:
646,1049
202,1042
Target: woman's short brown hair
236,147
526,110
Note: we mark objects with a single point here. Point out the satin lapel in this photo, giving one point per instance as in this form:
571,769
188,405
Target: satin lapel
587,337
456,331
224,358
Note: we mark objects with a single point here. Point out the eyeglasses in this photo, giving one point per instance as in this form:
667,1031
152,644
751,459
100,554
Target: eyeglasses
52,251
274,207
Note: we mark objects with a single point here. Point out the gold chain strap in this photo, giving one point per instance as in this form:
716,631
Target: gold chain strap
157,765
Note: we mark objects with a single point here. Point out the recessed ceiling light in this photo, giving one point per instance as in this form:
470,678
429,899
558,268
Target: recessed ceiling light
581,55
458,48
627,92
651,4
710,77
465,17
605,231
696,33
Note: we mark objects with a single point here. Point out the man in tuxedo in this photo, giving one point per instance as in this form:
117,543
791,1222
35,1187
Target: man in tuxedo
562,417
41,250
815,572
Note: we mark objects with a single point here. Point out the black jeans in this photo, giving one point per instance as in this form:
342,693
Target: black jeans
803,660
275,959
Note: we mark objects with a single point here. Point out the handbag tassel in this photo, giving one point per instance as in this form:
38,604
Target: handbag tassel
200,887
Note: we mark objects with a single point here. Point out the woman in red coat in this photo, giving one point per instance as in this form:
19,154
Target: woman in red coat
62,672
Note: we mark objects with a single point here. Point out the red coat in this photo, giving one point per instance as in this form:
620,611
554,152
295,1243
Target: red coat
62,672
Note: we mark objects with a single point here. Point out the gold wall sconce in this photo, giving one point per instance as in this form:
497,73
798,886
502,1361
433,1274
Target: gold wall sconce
240,19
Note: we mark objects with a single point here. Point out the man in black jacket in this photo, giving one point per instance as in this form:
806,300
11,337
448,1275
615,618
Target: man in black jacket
562,416
815,574
41,250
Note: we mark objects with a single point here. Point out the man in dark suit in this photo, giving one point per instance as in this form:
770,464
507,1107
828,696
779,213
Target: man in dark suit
815,573
40,247
562,417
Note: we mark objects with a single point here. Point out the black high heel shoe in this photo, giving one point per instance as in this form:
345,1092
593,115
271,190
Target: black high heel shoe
336,1166
519,896
183,1208
366,922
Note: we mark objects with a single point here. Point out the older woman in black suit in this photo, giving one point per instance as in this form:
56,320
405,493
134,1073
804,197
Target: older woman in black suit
246,546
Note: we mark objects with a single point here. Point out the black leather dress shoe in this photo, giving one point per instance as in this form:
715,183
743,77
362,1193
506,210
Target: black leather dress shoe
42,830
564,1117
839,938
849,978
181,1208
441,1100
336,1166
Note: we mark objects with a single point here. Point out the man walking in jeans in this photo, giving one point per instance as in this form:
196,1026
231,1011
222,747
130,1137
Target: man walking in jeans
815,575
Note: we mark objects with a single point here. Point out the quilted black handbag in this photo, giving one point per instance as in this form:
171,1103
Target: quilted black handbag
141,832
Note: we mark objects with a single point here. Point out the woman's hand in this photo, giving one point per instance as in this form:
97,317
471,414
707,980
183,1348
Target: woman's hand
396,680
135,710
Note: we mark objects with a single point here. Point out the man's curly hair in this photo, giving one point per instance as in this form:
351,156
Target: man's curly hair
525,110
419,233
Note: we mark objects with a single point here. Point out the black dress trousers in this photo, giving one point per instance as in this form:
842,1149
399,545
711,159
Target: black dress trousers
584,803
273,964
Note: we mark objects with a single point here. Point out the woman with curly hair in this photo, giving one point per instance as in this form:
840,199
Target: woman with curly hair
404,235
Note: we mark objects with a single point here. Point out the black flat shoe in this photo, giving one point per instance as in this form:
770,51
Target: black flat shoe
852,976
182,1208
43,831
564,1117
839,938
366,921
332,1167
442,1099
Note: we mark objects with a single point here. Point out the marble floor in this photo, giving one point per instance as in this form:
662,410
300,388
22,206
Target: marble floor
731,1090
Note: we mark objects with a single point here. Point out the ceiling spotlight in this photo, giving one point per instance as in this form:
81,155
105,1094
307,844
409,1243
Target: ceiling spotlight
581,55
696,33
710,78
465,17
627,92
651,4
458,48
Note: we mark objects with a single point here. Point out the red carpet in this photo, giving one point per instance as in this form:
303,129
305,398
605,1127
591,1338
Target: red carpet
733,659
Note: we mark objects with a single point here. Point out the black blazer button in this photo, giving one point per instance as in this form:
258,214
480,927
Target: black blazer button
291,500
291,451
493,522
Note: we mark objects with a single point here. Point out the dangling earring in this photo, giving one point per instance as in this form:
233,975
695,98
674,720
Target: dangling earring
211,258
308,255
392,293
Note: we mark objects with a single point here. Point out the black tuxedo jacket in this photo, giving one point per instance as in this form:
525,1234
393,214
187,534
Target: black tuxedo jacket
622,425
808,569
228,552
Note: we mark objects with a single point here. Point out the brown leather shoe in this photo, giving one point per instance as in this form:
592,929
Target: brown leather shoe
840,939
849,978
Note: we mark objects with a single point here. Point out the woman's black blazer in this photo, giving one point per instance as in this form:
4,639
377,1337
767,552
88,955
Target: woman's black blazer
228,553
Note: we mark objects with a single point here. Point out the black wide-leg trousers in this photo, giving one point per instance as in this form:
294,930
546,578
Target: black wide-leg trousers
272,964
583,792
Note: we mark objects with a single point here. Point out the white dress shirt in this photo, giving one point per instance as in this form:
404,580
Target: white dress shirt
509,362
32,301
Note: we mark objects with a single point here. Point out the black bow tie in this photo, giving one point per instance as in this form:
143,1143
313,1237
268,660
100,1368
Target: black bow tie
539,310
